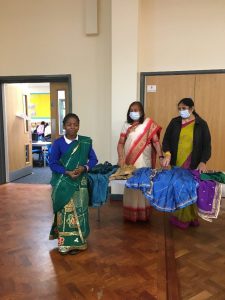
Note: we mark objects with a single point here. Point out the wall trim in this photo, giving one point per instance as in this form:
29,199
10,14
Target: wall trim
20,173
2,144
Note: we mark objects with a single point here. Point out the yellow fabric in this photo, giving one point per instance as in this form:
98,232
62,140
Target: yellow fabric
185,144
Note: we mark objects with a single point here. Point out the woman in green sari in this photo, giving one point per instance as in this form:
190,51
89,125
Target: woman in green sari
71,157
187,144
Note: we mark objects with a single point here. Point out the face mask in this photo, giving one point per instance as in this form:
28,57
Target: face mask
134,115
184,113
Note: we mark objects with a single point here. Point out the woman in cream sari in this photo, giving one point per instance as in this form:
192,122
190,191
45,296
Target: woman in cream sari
138,146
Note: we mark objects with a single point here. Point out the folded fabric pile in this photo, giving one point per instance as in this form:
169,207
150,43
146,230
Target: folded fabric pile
170,190
123,173
98,181
166,190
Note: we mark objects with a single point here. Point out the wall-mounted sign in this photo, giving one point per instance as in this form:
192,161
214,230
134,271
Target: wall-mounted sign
151,88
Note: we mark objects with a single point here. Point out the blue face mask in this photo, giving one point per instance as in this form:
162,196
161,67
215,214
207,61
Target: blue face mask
184,113
134,115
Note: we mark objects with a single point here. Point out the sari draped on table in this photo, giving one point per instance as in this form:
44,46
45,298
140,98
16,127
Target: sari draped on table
188,215
70,200
140,153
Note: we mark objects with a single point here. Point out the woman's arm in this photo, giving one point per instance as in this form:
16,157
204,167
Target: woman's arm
92,160
120,151
206,153
157,146
54,160
166,145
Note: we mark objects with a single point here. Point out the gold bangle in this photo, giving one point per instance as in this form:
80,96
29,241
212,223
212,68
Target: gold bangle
167,153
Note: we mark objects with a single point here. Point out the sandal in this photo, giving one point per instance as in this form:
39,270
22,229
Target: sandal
73,252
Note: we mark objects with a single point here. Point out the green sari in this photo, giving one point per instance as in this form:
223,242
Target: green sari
70,200
189,213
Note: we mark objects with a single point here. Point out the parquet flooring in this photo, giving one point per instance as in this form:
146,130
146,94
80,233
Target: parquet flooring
200,259
123,261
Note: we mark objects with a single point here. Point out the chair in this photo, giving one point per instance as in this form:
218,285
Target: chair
38,150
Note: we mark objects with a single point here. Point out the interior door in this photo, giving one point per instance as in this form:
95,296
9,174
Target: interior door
210,95
18,137
59,98
163,92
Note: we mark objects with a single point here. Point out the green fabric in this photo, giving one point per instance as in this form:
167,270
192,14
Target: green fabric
71,224
70,200
187,214
63,186
217,176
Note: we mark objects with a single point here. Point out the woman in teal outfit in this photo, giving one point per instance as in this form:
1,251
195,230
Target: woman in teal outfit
71,157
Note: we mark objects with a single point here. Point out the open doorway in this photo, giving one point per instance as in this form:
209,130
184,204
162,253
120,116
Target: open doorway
26,103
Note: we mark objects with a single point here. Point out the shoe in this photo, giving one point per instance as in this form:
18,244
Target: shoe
63,253
74,252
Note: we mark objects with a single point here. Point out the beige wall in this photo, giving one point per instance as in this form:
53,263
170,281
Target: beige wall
48,37
124,63
181,35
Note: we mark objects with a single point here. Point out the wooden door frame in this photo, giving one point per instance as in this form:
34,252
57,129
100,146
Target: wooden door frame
25,79
144,74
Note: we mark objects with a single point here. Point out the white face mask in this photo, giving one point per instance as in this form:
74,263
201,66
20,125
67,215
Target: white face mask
184,113
134,115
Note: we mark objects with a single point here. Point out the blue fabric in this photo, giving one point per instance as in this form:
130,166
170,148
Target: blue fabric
167,190
59,148
140,179
98,181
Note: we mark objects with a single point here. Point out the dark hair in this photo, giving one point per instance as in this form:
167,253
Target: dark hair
188,102
70,115
141,108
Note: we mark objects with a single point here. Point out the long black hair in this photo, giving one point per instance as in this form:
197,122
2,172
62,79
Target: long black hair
141,108
188,102
71,115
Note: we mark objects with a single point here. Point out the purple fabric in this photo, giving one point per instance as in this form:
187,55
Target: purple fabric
206,192
186,164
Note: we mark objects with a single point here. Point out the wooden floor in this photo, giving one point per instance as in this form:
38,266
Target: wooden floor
123,261
200,259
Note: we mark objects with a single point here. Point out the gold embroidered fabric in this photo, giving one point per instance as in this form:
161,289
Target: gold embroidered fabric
124,172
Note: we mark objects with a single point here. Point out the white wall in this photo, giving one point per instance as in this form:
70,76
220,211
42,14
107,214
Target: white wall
181,35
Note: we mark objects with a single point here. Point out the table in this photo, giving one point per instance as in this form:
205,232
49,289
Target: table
44,147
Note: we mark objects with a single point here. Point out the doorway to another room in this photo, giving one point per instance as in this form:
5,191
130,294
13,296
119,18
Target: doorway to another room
32,119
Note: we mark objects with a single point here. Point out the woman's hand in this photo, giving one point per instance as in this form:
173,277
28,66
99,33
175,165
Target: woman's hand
202,167
76,172
165,162
161,158
70,174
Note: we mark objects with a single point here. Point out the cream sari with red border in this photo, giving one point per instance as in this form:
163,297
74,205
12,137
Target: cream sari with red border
138,143
140,153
